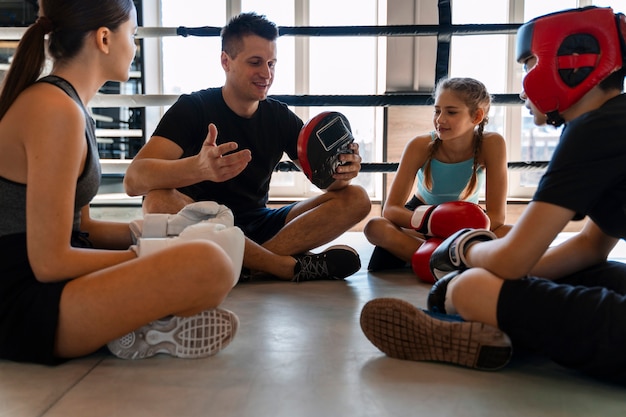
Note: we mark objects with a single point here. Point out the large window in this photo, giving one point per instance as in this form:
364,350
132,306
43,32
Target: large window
191,63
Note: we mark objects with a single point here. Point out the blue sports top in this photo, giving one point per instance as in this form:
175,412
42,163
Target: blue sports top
449,181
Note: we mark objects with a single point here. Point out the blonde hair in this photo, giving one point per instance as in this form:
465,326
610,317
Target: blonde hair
475,96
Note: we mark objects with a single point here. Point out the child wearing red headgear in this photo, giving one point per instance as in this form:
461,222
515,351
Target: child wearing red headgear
568,301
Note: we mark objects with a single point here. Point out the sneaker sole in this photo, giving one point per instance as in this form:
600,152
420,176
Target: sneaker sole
402,331
197,336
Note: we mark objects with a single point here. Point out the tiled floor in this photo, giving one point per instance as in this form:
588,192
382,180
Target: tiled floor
300,352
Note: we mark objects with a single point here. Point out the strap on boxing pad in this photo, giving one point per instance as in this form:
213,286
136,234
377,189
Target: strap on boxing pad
576,49
620,20
154,225
321,141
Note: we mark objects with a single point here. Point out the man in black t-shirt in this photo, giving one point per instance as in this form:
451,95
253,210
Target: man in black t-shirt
566,301
222,145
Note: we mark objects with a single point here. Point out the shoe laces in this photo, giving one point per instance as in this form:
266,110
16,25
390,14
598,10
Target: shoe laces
311,267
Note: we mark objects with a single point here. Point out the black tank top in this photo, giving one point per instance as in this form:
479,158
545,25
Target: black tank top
13,195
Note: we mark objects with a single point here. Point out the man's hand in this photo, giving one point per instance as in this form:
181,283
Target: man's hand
350,164
219,163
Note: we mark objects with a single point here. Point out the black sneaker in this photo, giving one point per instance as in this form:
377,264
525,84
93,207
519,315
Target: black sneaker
245,275
336,262
403,331
382,259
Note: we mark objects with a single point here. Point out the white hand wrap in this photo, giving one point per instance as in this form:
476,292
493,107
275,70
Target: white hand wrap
166,225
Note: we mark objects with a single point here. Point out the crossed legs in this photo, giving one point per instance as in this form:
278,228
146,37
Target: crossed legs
182,280
574,321
309,224
400,242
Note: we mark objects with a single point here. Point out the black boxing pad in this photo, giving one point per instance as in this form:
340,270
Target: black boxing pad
321,141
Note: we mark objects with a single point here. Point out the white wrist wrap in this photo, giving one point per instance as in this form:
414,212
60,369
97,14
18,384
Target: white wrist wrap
154,225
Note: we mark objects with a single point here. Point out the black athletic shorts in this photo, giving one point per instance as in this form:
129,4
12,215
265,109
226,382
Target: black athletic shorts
578,321
260,225
29,309
413,203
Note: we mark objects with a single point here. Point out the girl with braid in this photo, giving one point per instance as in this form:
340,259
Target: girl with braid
450,164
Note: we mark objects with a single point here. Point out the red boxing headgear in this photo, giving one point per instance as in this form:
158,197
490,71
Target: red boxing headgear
575,49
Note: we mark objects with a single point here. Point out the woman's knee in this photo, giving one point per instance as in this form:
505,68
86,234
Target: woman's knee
205,268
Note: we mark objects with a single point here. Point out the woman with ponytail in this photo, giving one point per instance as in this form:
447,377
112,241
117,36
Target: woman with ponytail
451,163
69,284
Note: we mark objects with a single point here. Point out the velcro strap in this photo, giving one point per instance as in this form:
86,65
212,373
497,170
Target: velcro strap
420,218
154,225
578,61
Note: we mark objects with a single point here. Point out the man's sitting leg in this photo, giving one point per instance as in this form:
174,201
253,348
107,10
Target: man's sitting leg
315,222
165,201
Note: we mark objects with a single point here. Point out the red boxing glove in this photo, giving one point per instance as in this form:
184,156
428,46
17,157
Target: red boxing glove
445,219
421,260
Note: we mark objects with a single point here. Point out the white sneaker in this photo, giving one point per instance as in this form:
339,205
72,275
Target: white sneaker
197,336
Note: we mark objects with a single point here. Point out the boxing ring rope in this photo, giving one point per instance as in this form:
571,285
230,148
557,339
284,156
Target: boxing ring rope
367,167
385,167
380,100
287,166
15,33
443,32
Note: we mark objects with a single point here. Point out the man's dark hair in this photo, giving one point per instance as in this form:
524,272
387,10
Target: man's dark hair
246,24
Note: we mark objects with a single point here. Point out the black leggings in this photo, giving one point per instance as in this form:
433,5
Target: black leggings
578,321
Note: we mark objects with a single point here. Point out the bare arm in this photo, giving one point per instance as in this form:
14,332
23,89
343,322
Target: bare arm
516,254
588,247
105,234
157,165
413,157
55,152
495,162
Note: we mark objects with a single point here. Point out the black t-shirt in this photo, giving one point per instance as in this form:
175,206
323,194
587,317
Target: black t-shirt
587,173
270,132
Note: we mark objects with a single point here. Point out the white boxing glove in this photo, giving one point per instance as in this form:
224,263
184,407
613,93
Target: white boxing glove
230,238
136,227
164,225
